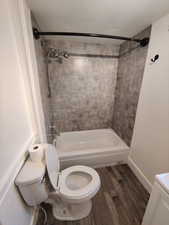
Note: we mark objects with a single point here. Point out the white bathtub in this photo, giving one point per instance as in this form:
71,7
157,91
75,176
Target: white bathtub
94,148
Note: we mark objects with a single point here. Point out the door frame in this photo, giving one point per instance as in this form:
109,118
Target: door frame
32,79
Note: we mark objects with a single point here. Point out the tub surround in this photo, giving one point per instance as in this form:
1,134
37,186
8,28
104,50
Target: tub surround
129,79
91,92
82,88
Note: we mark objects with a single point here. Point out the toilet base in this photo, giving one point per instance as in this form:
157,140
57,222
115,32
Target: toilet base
70,212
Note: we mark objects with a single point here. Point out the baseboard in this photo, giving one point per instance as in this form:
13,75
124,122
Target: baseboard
139,174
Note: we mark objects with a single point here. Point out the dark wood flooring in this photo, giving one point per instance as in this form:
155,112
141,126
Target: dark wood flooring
121,200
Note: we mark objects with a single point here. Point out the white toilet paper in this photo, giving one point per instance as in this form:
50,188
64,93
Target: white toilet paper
36,152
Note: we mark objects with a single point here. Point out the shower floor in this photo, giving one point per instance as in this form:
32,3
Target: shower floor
121,200
91,147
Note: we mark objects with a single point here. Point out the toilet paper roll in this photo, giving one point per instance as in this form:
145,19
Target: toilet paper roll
36,152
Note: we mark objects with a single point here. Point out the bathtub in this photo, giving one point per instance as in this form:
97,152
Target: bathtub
95,148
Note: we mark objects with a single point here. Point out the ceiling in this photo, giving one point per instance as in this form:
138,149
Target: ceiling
116,17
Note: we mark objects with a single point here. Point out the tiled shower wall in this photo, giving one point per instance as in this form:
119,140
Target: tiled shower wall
83,88
129,79
91,93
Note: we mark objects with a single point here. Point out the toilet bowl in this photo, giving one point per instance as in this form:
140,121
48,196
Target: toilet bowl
79,184
71,189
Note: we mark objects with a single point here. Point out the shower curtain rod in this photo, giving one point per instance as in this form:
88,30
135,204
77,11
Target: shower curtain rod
143,42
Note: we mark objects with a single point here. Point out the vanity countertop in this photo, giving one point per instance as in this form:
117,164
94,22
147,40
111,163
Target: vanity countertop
163,179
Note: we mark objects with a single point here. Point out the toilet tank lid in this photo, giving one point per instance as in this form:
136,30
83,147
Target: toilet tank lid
30,173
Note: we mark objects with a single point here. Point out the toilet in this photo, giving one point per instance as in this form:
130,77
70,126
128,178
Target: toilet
68,191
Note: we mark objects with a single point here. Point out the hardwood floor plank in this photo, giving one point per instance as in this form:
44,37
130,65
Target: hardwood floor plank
123,201
88,220
102,215
112,209
134,181
137,201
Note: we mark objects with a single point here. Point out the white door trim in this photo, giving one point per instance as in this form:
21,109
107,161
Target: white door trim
34,86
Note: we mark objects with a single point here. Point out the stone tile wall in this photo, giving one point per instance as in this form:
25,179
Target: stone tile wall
91,92
129,79
82,88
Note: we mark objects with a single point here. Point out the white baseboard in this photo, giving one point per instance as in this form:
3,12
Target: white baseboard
139,174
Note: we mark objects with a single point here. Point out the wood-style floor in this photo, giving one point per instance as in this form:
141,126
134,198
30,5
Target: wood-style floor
121,200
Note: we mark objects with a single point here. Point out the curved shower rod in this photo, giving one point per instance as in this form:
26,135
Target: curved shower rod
143,42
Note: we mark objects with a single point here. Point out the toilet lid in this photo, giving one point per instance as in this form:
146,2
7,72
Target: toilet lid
52,164
78,193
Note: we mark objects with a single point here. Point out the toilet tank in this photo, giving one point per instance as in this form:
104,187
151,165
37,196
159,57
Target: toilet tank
30,182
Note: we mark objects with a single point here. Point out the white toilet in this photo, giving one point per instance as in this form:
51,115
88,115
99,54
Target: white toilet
72,188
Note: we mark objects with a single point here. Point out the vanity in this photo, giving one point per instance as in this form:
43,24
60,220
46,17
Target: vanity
157,212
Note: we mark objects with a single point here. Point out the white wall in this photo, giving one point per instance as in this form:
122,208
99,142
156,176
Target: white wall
150,143
14,121
18,123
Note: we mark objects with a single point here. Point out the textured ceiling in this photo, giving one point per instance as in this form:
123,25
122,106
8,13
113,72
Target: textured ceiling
116,17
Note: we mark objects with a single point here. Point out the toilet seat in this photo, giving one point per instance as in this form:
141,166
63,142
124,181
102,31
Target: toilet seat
87,191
